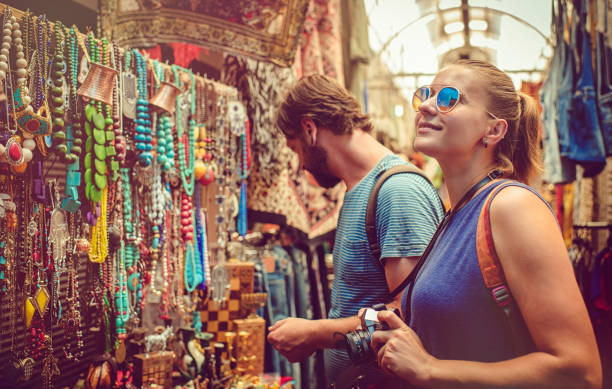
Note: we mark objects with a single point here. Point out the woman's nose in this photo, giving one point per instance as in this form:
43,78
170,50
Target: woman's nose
428,106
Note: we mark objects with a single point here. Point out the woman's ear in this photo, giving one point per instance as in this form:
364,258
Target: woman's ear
497,132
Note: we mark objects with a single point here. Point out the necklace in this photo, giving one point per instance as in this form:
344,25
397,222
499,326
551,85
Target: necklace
58,134
158,197
143,122
71,319
186,168
108,60
120,147
129,88
202,242
99,236
121,293
71,202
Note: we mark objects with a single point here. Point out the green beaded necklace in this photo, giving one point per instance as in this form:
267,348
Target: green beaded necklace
74,135
57,101
186,171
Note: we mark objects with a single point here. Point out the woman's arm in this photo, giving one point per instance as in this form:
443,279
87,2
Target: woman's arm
540,276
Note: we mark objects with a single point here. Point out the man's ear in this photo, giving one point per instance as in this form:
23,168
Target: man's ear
310,130
497,132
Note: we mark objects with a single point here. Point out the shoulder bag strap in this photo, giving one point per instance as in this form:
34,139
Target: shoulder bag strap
373,203
493,275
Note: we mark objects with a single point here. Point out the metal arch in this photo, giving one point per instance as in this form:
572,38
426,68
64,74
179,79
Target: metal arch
485,9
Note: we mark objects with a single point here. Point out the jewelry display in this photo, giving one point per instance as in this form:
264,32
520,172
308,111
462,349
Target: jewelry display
127,212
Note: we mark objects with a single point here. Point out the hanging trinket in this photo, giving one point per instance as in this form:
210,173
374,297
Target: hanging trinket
129,89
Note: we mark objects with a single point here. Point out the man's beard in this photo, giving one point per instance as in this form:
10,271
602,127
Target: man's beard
317,166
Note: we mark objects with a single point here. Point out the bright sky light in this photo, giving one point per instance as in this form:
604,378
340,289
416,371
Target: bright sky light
518,46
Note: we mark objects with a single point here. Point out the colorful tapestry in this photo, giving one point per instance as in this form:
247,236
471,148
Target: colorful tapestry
263,29
320,41
275,183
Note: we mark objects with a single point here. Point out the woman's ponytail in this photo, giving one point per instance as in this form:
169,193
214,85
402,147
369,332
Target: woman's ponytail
526,155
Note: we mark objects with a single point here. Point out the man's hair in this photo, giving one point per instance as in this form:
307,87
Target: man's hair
326,102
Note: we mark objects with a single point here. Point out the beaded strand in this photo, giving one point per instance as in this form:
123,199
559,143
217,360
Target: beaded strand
143,121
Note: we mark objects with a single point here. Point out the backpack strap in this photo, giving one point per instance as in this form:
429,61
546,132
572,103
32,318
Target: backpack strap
493,275
373,203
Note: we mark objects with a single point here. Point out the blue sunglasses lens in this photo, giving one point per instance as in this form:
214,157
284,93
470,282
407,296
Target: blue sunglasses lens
420,95
447,99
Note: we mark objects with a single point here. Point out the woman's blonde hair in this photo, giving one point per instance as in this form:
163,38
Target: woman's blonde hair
518,153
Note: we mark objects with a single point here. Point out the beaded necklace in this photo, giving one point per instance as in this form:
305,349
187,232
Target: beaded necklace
165,141
143,122
41,85
95,125
74,135
117,114
202,241
57,100
99,238
158,197
121,293
109,149
186,169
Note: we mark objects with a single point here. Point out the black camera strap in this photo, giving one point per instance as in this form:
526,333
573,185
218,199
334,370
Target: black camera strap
445,221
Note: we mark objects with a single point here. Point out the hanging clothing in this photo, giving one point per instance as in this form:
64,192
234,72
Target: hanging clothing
586,146
555,98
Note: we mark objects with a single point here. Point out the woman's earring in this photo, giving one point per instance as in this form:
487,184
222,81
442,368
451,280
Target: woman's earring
485,142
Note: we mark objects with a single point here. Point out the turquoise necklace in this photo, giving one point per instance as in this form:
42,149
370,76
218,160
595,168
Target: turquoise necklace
121,294
186,170
143,120
165,141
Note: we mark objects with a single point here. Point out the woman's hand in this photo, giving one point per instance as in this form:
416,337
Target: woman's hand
400,351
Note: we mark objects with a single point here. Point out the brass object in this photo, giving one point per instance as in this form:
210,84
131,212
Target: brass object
165,97
250,351
252,302
99,83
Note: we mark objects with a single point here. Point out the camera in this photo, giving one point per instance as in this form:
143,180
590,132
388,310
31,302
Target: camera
357,343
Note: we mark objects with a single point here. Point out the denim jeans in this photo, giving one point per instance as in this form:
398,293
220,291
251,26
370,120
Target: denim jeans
555,98
586,140
303,308
604,84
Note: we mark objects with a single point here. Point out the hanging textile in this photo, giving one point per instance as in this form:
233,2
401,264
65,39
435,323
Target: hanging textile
265,29
275,185
320,42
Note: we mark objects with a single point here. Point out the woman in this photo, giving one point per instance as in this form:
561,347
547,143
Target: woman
475,124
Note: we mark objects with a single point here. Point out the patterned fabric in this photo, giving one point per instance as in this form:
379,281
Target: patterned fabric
408,213
264,29
275,184
320,43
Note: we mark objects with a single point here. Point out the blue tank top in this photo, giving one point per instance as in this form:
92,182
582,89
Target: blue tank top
451,309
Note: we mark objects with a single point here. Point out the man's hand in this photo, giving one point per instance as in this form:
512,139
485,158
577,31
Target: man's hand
294,338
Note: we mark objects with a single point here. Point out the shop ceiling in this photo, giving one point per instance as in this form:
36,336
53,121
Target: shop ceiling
459,29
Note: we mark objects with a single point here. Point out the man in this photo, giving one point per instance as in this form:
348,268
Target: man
325,126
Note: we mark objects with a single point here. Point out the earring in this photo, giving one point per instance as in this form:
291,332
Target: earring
485,141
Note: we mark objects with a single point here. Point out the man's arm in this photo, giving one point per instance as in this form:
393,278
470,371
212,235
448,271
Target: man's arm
396,270
297,338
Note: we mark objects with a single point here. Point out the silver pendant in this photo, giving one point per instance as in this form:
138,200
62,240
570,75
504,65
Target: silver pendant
130,95
58,237
83,70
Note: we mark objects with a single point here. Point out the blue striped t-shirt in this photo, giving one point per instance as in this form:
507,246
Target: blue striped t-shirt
407,215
